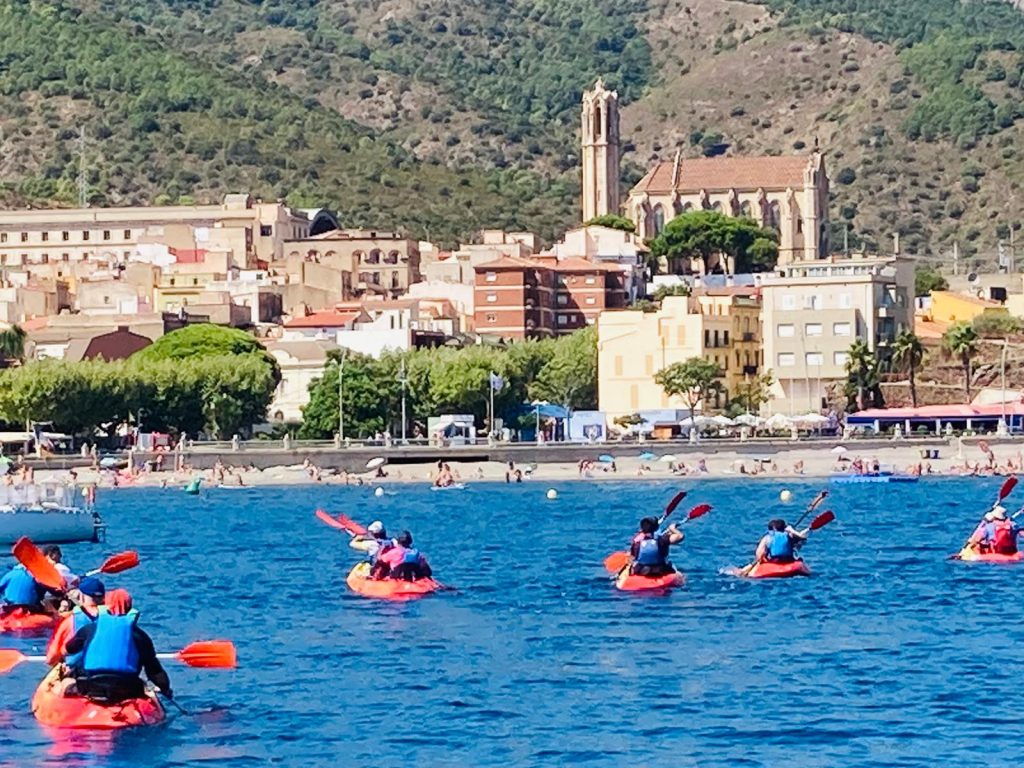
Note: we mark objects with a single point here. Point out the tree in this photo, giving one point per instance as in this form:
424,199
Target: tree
753,391
201,340
863,378
368,398
12,346
928,279
961,340
694,381
663,291
569,378
709,235
629,421
908,353
613,221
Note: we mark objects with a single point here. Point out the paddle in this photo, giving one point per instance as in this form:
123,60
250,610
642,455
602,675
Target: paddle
811,507
616,561
36,563
342,523
1004,490
205,654
819,522
122,561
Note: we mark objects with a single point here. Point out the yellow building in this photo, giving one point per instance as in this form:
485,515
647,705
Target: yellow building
720,325
951,307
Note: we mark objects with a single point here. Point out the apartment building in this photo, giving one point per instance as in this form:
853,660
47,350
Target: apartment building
742,304
813,311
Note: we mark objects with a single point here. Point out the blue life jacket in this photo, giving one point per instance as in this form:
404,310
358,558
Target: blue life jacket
780,546
79,621
21,588
411,557
112,648
649,551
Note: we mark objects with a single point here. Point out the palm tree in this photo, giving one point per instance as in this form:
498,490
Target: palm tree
962,340
908,352
862,367
12,346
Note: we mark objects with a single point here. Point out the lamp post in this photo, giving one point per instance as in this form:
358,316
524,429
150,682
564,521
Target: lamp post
341,394
403,379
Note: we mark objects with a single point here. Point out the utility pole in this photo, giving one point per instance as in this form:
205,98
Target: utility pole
402,379
341,394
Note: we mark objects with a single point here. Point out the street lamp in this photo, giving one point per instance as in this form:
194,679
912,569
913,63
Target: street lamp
536,409
341,394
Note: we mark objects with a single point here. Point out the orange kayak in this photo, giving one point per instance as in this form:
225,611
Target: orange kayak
51,707
22,622
359,581
969,555
779,570
629,582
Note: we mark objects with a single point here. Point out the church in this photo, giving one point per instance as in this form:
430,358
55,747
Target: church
789,193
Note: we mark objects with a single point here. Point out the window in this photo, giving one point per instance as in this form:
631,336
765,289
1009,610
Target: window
45,236
591,300
563,319
725,338
840,358
195,281
814,358
491,317
65,236
24,237
492,297
3,258
491,277
789,301
786,360
106,234
44,259
85,234
590,280
707,338
266,230
106,299
845,301
812,302
172,281
65,257
562,299
3,237
784,330
375,277
841,329
716,338
127,234
813,329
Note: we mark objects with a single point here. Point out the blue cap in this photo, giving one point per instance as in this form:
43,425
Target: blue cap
92,587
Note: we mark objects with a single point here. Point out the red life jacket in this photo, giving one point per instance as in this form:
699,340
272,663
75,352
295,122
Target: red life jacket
1004,537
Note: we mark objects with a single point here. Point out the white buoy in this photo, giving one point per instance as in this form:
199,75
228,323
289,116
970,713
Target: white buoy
786,496
378,491
552,494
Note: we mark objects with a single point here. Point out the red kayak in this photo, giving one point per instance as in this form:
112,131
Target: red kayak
629,582
51,707
359,581
22,622
969,555
779,570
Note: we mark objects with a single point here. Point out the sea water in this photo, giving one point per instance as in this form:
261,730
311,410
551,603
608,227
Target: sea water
888,655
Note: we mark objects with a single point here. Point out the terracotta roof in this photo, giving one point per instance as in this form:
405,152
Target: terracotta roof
728,290
929,330
325,319
119,344
719,173
508,262
577,264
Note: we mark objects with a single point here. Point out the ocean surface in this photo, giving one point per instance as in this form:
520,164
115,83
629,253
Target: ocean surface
888,655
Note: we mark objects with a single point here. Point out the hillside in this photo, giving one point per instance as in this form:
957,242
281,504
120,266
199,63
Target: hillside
445,116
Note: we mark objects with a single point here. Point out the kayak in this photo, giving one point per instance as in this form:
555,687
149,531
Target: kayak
359,581
22,622
969,555
779,570
629,582
51,707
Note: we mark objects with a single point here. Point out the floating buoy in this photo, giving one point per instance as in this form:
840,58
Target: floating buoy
552,494
786,496
378,491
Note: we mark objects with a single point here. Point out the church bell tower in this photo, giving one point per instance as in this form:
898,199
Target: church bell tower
600,143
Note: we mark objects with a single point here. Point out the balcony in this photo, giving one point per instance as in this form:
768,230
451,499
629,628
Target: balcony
750,370
750,336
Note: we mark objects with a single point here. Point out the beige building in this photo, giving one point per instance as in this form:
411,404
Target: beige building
813,312
633,346
301,362
491,244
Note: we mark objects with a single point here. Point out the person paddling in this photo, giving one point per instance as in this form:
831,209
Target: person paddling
114,653
402,561
56,556
19,589
374,542
649,549
997,533
780,544
91,593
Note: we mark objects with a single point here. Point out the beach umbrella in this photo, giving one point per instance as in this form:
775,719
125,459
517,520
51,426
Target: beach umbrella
749,420
839,450
606,458
723,421
647,456
778,421
698,422
377,461
668,458
811,418
109,462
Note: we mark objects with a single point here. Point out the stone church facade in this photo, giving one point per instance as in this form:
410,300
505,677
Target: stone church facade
789,194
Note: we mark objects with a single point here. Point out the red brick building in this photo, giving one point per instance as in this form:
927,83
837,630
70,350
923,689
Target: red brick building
535,298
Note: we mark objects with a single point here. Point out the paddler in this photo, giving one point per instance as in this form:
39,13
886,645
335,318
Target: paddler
649,549
402,561
91,593
114,651
56,556
373,542
19,589
997,533
780,544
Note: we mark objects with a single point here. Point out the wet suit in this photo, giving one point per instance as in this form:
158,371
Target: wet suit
111,685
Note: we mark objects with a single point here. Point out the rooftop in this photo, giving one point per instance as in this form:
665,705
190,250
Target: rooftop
721,173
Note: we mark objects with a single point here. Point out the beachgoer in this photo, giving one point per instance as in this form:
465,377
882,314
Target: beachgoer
402,561
90,596
115,650
780,544
997,533
649,548
19,589
444,476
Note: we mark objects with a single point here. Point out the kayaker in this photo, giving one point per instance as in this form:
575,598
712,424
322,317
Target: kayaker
373,542
402,561
997,533
56,556
114,651
649,549
780,544
91,593
19,589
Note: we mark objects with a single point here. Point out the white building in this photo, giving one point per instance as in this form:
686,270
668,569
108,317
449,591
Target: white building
301,361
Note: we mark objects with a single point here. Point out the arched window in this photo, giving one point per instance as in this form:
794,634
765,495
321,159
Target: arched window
659,219
374,257
330,255
597,122
717,206
364,277
392,257
774,215
746,210
395,280
313,255
359,256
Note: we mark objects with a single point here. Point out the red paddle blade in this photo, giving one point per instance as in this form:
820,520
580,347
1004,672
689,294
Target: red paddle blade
1008,485
676,501
29,555
328,520
700,509
122,561
209,654
9,660
822,520
616,561
352,526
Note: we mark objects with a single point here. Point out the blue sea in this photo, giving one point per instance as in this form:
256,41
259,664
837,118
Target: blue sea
888,655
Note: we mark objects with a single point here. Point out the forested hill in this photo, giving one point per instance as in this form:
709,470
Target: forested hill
447,115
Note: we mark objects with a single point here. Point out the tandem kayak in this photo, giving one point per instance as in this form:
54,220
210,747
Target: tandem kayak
629,582
779,570
359,581
969,555
22,622
51,707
